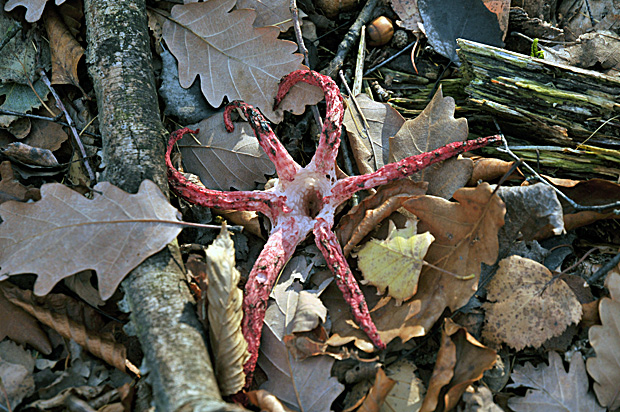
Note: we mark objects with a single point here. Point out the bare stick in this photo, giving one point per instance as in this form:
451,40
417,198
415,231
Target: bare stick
49,119
76,136
576,206
302,48
350,39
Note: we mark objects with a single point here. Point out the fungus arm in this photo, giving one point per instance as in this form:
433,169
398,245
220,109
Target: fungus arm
328,245
329,140
403,168
263,202
286,167
277,251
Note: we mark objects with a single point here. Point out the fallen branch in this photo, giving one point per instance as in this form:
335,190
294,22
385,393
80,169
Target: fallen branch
176,358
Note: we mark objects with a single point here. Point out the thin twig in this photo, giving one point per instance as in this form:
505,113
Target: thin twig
576,206
386,61
359,63
55,119
61,106
592,22
10,33
350,38
365,132
6,397
302,48
604,269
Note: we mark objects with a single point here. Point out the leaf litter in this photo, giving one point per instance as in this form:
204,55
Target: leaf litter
531,212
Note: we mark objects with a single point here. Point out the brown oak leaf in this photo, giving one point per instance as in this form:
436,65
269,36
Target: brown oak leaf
65,233
433,128
465,234
34,7
233,58
605,339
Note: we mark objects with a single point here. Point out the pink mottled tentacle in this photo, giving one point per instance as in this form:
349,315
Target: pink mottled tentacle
277,251
403,168
329,141
286,167
263,202
328,245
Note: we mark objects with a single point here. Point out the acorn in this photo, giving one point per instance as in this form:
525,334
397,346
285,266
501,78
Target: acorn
379,31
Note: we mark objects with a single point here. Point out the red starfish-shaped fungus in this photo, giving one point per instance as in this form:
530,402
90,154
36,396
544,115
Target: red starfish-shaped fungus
304,199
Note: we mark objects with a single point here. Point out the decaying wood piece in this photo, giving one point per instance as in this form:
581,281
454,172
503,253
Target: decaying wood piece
119,59
540,101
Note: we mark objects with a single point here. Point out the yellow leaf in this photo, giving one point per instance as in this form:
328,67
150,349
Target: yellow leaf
396,262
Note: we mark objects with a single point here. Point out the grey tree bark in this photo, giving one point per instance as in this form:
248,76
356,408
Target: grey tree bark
176,359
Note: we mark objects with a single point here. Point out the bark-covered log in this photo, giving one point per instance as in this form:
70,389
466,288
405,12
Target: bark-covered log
540,101
119,61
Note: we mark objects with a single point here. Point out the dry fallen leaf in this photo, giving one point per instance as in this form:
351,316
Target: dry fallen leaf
20,326
528,210
365,217
605,339
478,399
395,263
20,98
34,7
289,378
407,394
230,350
501,8
461,361
370,146
225,160
65,233
552,388
72,319
81,285
487,169
527,305
233,58
72,14
302,310
16,374
29,155
377,394
433,128
591,192
270,13
44,134
66,51
597,50
465,234
12,189
407,11
449,20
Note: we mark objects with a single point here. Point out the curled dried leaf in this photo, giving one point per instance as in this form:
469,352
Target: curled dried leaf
460,362
225,314
72,319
